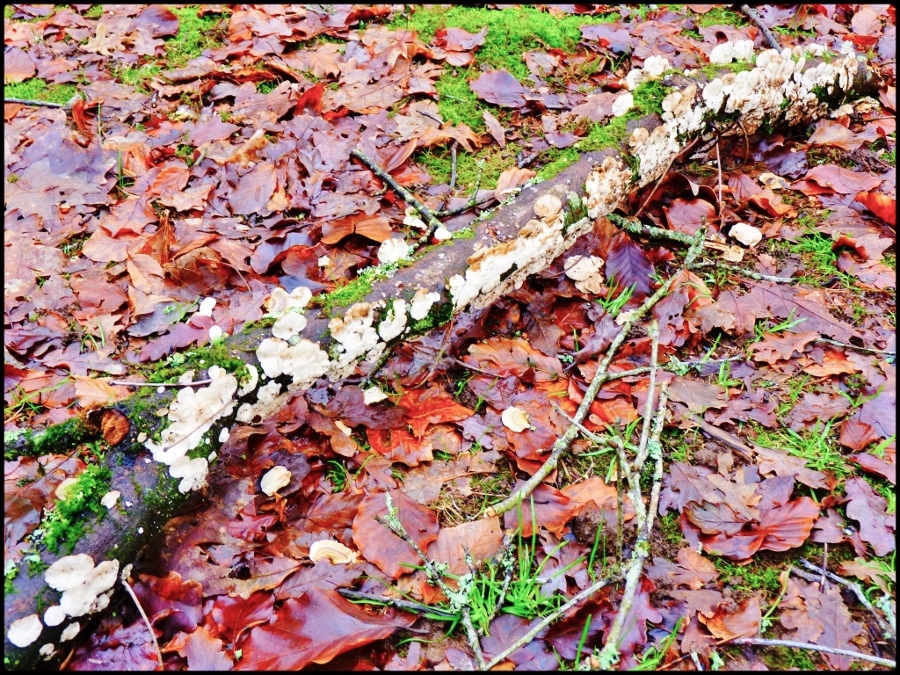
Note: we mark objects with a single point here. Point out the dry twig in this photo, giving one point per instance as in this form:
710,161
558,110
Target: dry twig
815,648
754,16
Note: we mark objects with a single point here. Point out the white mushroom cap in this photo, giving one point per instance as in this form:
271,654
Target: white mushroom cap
206,307
334,551
54,616
24,631
392,250
70,631
289,325
69,572
515,419
276,478
746,234
622,104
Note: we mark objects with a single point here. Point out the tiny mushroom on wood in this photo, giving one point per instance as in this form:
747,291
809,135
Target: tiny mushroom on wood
24,631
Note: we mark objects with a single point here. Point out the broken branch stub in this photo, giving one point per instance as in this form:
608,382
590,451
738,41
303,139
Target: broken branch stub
157,475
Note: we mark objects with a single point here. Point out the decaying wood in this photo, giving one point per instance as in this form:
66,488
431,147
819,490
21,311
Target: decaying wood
466,274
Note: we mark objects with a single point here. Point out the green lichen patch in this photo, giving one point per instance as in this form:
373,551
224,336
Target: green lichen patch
65,523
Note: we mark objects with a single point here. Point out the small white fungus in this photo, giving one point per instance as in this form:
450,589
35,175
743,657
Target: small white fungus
392,250
373,395
110,498
746,234
206,307
276,478
622,104
70,631
24,631
515,419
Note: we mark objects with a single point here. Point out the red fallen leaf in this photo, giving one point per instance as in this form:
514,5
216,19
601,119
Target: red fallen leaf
689,215
500,88
832,178
17,66
382,547
781,346
376,228
866,22
430,406
233,616
494,127
821,618
481,538
253,190
869,508
399,445
857,435
204,652
770,202
788,526
627,263
349,406
883,206
312,99
829,132
514,357
314,629
743,622
552,510
868,572
116,648
877,465
692,570
179,602
512,178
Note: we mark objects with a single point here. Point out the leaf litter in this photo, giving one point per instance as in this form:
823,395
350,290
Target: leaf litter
226,172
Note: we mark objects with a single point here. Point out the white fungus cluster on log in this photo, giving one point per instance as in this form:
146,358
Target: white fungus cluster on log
778,86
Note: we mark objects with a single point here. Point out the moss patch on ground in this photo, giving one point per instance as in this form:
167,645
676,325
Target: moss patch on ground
36,89
64,524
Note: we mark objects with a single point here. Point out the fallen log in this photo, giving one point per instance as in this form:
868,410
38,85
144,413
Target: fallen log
163,441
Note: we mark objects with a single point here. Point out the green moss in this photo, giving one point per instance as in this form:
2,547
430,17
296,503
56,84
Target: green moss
464,233
138,77
356,290
57,439
438,316
65,523
785,658
195,34
10,572
720,16
36,89
94,12
760,575
216,353
512,31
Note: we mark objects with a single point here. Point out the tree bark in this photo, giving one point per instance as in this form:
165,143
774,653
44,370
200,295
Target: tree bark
521,238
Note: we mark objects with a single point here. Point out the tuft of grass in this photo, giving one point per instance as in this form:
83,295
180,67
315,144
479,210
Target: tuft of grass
36,89
818,447
195,34
720,16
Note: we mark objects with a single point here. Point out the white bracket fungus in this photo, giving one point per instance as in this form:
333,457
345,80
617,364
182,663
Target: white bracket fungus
70,631
394,321
206,307
22,632
276,478
54,615
47,651
421,304
392,250
305,361
334,551
83,586
622,104
355,337
585,272
110,498
412,219
288,325
515,419
191,415
373,395
442,234
746,234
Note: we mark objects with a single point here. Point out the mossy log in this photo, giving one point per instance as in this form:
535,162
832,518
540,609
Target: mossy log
463,274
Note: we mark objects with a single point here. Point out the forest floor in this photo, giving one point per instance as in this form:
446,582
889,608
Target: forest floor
206,154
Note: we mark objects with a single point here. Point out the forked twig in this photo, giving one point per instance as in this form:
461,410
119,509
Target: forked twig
600,376
426,213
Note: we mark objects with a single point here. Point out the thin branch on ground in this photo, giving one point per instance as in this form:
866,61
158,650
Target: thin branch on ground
590,435
137,603
750,274
34,103
859,349
649,231
406,605
653,332
122,383
407,196
453,167
459,600
550,618
609,655
720,205
565,440
887,627
754,16
815,648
